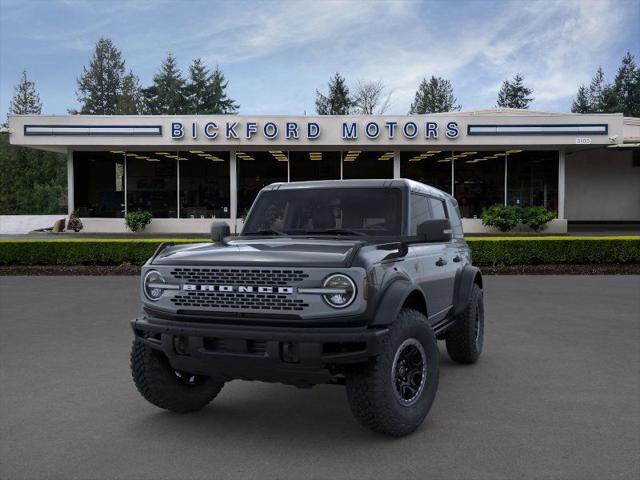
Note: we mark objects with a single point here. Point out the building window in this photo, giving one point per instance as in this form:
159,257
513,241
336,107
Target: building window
364,164
99,184
315,165
204,184
532,178
431,167
152,183
257,170
478,180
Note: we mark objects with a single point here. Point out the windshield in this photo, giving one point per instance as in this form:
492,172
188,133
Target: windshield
331,211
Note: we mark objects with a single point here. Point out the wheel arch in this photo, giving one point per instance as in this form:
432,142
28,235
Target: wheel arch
400,294
467,278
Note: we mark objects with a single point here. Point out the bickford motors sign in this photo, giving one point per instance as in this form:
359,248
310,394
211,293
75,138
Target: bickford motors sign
294,130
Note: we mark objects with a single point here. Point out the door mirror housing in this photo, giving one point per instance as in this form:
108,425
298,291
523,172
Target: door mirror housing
435,230
219,230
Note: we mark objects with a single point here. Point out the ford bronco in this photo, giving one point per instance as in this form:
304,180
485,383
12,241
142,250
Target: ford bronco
342,282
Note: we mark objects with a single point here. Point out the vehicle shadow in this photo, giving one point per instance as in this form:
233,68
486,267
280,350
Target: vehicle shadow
268,412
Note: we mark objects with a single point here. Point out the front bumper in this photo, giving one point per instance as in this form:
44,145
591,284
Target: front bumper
301,357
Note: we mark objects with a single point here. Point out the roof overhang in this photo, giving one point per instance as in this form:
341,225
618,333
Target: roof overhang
229,132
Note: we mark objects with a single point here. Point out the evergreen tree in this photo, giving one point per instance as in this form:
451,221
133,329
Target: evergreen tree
433,96
514,94
196,89
167,95
581,104
206,91
31,181
596,91
219,102
338,101
627,86
130,101
25,99
100,85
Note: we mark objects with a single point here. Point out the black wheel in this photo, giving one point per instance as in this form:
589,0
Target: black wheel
464,340
393,393
167,388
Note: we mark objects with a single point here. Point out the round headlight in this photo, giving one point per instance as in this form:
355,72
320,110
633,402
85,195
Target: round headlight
152,285
343,290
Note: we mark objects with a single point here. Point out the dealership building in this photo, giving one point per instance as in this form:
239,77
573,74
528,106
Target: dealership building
187,170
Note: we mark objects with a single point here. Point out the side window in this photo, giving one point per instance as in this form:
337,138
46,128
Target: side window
437,206
454,217
419,212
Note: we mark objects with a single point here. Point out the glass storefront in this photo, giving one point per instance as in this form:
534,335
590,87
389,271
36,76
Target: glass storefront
257,170
197,184
99,184
365,164
152,183
314,166
432,167
204,184
532,178
478,180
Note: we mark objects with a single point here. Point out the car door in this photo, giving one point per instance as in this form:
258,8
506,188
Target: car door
429,261
448,261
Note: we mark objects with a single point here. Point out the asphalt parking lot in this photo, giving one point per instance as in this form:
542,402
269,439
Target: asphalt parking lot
555,395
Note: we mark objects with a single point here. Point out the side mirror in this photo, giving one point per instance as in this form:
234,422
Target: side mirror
436,230
219,230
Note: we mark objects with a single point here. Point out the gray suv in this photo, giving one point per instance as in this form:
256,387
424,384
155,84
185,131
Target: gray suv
343,282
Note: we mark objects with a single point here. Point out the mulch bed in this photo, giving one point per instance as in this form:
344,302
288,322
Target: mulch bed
551,269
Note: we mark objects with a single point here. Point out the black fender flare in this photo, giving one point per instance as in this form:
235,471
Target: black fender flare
467,277
392,301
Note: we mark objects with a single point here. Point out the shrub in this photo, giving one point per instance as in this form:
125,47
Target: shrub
537,217
503,217
74,223
485,251
563,250
137,220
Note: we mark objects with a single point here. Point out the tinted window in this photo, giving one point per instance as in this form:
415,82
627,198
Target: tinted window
372,211
419,211
454,218
437,208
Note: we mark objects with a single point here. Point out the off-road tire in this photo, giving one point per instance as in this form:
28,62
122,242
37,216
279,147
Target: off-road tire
160,385
371,388
464,343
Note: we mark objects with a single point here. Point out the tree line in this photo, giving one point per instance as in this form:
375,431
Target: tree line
33,181
106,88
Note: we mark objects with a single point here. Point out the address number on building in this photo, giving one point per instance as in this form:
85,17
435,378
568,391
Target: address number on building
583,141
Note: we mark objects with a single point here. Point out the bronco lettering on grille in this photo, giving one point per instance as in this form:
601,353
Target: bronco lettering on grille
237,288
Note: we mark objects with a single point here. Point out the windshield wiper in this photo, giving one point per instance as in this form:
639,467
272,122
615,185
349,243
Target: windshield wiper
336,231
266,231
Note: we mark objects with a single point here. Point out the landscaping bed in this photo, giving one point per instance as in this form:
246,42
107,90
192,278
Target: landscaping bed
547,254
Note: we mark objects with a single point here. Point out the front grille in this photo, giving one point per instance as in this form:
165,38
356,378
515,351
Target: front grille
238,276
238,301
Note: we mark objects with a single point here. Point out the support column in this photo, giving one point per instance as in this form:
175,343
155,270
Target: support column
506,184
70,183
561,182
233,193
396,164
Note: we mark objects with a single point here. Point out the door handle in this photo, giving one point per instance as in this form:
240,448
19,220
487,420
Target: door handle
441,262
457,258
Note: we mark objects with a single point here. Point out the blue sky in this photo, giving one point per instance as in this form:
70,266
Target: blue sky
276,53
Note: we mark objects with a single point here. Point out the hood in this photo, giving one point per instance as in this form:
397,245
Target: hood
263,252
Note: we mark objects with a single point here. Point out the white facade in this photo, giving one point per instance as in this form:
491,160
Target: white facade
593,157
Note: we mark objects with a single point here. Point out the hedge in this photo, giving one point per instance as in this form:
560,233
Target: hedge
485,250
